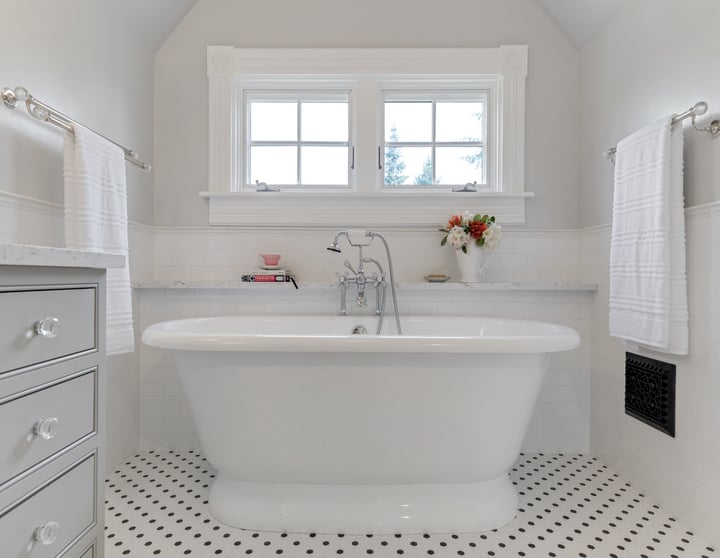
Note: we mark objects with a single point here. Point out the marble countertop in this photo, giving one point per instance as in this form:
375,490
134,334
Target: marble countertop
449,286
26,254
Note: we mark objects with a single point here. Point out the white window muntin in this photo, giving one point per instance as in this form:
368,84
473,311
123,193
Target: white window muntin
284,93
457,93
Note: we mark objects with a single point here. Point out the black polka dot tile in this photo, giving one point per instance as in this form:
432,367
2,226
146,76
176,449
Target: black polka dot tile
570,506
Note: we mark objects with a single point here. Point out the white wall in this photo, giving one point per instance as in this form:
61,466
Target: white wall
85,59
658,57
552,87
82,58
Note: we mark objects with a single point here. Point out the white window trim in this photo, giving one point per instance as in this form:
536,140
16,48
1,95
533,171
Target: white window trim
227,64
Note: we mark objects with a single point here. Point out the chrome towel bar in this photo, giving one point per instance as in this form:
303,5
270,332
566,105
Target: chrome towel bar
698,109
41,111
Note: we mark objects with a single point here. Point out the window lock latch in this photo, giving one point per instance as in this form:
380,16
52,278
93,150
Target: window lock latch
263,187
469,187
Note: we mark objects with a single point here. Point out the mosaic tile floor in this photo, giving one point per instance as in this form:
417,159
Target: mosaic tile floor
570,506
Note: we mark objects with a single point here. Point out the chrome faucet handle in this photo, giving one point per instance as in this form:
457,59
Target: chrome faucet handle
378,265
350,267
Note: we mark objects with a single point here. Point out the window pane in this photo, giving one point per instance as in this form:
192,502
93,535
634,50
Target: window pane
274,165
324,121
459,165
408,165
273,121
459,121
324,165
408,121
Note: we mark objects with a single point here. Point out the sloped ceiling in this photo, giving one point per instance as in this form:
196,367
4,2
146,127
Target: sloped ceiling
580,20
153,19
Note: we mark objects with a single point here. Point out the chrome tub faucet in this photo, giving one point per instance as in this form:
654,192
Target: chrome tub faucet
360,239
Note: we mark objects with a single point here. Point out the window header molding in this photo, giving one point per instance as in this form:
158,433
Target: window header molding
225,62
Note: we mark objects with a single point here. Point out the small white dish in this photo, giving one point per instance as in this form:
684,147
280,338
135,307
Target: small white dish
437,278
269,267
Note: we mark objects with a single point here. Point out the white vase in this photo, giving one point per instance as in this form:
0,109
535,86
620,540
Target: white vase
472,264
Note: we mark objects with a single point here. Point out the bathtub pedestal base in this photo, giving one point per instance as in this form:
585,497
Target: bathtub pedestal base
362,509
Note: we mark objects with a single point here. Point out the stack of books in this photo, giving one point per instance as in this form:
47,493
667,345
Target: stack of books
268,276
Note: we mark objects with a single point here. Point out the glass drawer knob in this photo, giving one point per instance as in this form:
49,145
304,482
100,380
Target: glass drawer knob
47,534
47,327
47,428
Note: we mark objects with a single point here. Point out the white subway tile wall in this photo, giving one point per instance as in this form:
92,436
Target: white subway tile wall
562,417
222,253
123,371
680,472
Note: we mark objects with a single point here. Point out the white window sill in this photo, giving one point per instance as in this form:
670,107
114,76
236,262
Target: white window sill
385,210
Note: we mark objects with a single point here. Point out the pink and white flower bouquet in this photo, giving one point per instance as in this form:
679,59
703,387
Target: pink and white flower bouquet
463,229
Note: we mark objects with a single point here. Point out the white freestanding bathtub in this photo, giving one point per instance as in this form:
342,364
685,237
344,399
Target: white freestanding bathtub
312,428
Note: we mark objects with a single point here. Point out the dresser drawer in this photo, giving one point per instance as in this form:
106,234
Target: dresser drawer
21,344
37,424
53,517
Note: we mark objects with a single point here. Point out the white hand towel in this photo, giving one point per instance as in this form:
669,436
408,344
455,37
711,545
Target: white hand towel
96,219
648,285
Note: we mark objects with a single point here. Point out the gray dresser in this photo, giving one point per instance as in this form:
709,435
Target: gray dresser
52,393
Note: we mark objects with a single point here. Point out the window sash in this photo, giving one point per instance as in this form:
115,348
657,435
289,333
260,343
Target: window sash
289,94
420,95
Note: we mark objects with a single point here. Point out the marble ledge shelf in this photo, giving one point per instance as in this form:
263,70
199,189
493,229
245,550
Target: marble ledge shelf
449,286
27,254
